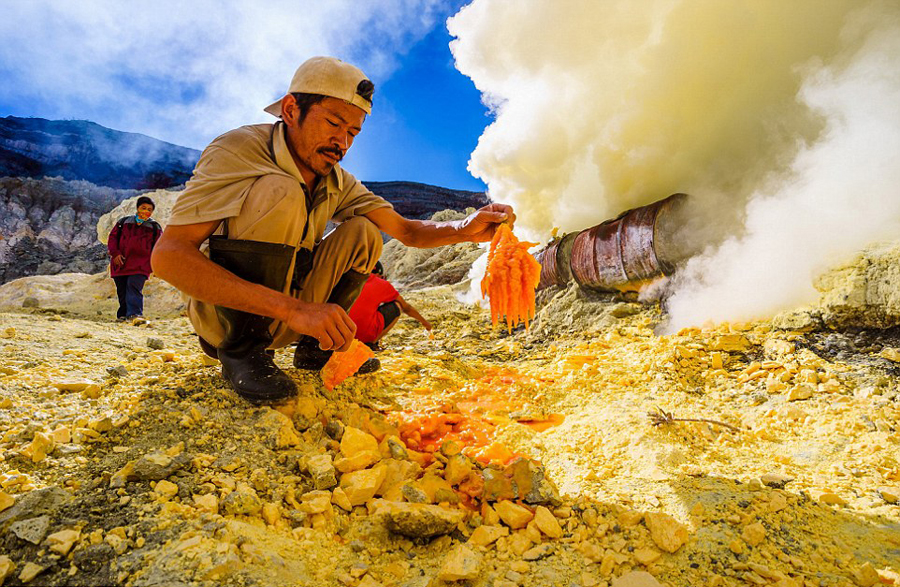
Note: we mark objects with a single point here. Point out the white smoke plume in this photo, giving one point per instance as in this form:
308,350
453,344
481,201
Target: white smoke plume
781,119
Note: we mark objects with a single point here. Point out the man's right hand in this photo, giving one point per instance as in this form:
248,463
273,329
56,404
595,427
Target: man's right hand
118,260
327,323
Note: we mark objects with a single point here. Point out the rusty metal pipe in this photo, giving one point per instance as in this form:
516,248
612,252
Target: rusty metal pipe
620,254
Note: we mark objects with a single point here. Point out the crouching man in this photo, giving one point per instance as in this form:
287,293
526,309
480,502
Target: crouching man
246,245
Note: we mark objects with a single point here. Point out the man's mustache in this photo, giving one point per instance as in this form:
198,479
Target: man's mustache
339,154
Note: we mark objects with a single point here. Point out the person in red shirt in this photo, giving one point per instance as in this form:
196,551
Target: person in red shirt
130,243
378,308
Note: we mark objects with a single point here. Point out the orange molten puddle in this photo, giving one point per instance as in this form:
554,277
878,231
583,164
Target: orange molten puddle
472,421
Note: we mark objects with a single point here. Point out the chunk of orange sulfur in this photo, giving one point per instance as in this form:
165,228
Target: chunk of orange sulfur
342,365
511,277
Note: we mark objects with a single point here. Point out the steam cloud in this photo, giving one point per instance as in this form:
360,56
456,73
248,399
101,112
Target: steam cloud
188,71
781,119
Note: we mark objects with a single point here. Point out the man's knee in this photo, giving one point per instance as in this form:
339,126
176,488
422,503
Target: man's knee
363,232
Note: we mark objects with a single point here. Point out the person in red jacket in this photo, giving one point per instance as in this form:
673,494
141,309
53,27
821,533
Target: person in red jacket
130,244
378,308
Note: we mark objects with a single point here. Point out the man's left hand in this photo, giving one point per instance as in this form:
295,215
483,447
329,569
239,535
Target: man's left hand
480,226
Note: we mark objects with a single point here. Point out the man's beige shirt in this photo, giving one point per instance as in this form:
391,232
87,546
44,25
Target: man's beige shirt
231,164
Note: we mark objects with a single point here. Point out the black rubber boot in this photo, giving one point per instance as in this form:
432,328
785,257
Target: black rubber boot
245,362
308,355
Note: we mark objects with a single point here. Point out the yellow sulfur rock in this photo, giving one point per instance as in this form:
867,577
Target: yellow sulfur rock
513,515
547,522
486,535
7,568
61,542
6,501
166,489
29,572
646,556
207,503
360,486
753,534
462,563
271,513
41,446
340,499
355,441
666,532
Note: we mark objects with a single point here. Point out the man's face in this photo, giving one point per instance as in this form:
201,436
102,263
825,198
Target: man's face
323,137
144,211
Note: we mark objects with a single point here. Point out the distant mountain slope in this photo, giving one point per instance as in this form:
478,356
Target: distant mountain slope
79,149
63,175
420,200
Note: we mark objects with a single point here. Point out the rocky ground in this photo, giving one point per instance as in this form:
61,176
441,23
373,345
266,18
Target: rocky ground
473,458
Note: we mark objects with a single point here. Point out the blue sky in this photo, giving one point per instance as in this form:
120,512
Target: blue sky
186,72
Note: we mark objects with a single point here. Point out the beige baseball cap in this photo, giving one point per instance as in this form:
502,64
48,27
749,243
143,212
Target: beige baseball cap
327,76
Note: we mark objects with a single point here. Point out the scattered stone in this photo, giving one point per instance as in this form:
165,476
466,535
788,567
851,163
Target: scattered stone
72,384
156,344
636,579
800,392
531,482
360,460
547,523
831,499
242,501
368,581
32,530
278,429
30,571
35,503
360,486
62,542
462,563
31,302
322,471
513,515
7,568
271,513
418,520
775,480
207,503
538,552
166,489
156,466
646,556
354,441
6,501
41,445
485,535
334,429
730,343
865,576
754,534
888,494
117,371
497,486
457,469
667,533
340,499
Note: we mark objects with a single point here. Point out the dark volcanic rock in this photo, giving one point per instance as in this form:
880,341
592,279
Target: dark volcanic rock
79,149
48,226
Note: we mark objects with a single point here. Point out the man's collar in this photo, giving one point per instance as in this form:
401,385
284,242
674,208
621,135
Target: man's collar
285,160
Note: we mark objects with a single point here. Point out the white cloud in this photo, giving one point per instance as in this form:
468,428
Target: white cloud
187,71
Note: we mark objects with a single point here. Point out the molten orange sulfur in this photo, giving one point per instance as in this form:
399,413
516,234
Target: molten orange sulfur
342,365
511,278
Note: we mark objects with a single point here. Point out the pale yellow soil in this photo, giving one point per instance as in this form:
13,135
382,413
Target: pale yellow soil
833,523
